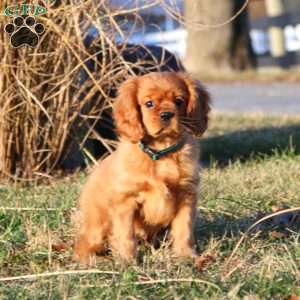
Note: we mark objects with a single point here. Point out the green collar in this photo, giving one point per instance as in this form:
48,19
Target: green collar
157,154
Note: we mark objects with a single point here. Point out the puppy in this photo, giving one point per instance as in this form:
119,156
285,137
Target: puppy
151,180
142,60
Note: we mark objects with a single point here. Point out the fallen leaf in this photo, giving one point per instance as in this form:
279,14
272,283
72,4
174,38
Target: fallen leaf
59,247
203,261
292,297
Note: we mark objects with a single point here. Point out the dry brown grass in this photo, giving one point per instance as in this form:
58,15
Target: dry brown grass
40,91
42,100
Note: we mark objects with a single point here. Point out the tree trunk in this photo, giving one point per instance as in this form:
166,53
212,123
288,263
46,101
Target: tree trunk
217,50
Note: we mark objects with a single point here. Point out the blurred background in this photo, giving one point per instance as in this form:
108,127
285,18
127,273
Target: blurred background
56,98
248,41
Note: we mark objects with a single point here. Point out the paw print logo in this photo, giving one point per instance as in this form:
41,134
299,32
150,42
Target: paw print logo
24,32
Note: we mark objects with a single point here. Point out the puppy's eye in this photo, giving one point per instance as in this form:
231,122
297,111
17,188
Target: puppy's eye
149,104
179,101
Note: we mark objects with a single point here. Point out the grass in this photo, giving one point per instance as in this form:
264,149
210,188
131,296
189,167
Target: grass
252,167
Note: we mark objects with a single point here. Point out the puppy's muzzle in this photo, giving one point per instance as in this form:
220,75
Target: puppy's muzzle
166,115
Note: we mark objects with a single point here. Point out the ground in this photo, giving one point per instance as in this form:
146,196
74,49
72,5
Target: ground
251,168
259,97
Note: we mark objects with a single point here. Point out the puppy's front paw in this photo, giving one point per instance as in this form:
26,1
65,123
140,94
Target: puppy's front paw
83,254
184,252
127,257
125,252
87,260
84,257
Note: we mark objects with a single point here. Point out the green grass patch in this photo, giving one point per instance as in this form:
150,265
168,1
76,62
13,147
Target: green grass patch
232,137
252,165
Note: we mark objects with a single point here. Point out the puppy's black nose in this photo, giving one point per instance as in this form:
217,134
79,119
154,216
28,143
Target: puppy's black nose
166,115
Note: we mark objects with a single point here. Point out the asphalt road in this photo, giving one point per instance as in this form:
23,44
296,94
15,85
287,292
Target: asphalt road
270,98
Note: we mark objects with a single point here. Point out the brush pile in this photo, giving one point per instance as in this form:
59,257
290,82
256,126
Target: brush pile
54,94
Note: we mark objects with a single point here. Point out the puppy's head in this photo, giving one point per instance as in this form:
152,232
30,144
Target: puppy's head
161,104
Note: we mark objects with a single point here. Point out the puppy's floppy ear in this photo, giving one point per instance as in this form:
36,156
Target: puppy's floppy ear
127,113
198,105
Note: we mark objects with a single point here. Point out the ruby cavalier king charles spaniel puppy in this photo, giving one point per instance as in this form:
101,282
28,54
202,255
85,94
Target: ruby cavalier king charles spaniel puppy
151,181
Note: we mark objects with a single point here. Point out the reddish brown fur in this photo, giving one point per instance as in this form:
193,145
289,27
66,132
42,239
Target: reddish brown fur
130,196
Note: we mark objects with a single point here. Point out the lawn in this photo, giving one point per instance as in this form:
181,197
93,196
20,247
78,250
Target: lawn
251,168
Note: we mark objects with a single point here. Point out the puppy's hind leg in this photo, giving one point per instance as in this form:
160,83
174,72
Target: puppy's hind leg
91,236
